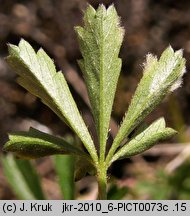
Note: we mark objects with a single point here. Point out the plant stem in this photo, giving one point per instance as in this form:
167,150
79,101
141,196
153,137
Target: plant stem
102,181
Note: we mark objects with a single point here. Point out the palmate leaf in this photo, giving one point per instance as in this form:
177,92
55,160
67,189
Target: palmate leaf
159,78
100,41
145,140
38,75
34,144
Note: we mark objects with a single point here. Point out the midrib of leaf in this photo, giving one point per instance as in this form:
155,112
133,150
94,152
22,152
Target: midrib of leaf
102,134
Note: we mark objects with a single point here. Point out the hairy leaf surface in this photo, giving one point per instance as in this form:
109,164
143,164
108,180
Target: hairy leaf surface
34,144
38,75
145,139
100,41
159,78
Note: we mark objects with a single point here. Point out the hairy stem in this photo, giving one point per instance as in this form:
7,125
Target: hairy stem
102,181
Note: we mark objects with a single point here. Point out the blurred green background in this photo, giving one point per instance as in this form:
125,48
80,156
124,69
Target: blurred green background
160,173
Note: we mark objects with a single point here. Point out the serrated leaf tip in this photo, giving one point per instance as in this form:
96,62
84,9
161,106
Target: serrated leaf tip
170,69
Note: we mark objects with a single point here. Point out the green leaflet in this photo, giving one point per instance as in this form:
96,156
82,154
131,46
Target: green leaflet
145,140
159,78
34,144
100,41
22,177
38,75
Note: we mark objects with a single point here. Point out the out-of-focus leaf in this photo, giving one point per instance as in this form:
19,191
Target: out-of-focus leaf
34,144
64,166
38,75
100,41
115,193
23,178
82,167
